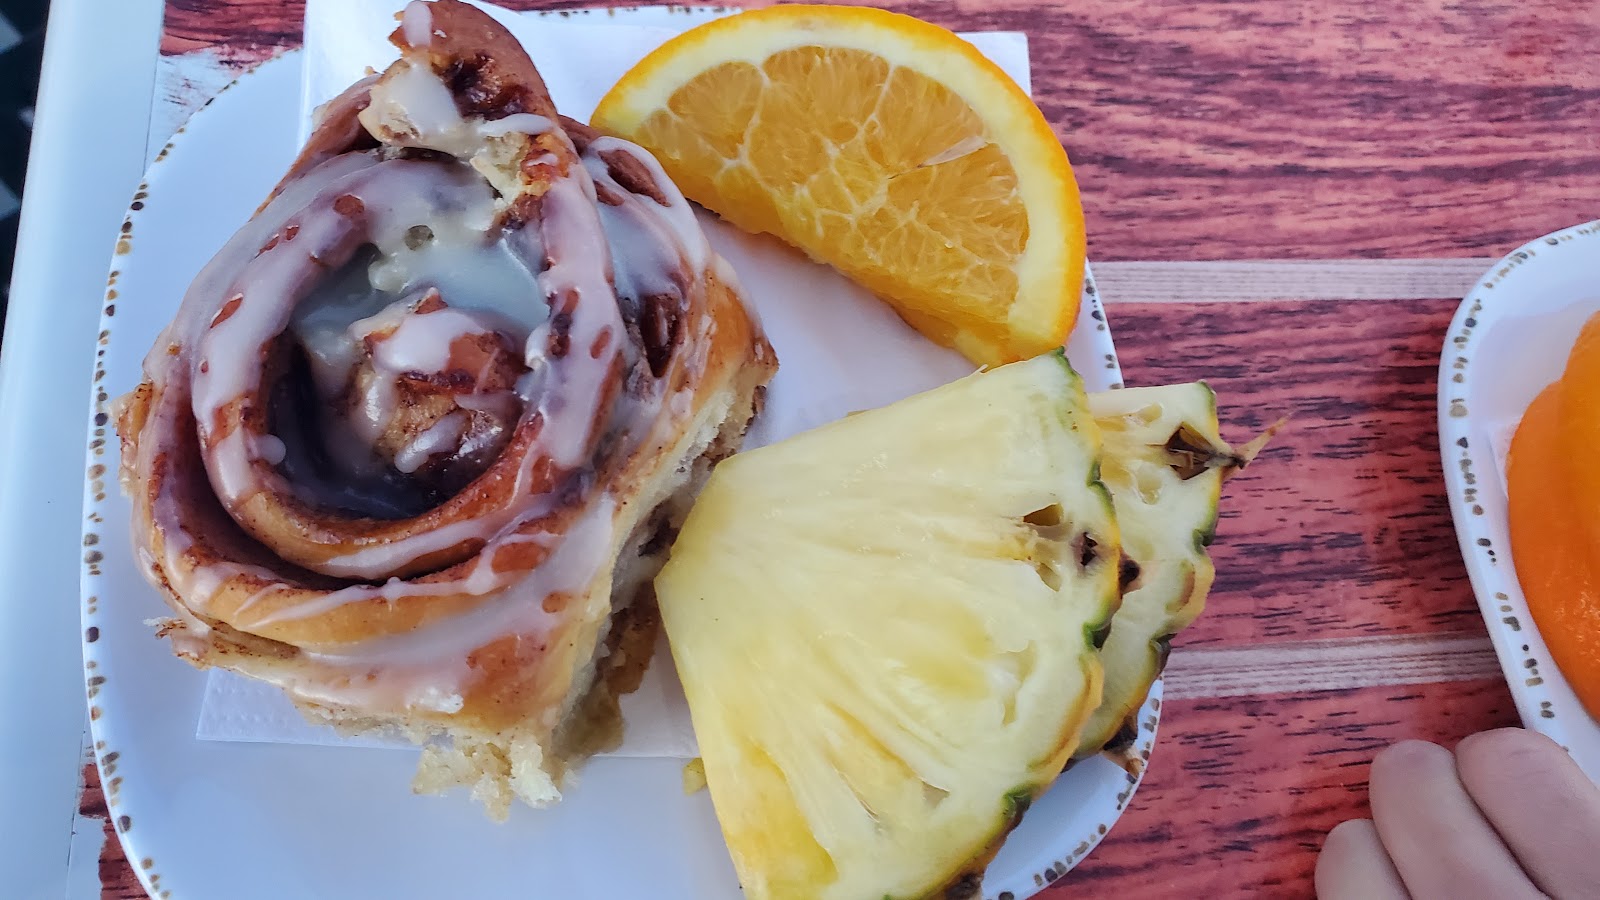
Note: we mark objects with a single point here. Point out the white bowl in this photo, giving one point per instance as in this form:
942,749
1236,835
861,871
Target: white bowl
1510,339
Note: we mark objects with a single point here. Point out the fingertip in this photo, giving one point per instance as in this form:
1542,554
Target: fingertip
1354,866
1343,844
1505,742
1509,751
1409,750
1541,804
1403,759
1349,833
1432,831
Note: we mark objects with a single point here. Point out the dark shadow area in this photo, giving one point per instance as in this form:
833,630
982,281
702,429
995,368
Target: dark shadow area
21,48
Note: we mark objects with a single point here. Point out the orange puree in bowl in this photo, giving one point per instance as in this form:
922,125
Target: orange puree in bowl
1553,481
1580,429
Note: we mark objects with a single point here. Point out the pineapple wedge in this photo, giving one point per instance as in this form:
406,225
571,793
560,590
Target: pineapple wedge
887,629
1164,463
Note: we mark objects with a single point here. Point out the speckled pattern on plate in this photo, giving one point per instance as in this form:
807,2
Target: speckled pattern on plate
1508,341
139,745
1405,136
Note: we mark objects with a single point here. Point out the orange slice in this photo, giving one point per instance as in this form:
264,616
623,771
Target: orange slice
882,145
1580,428
1550,545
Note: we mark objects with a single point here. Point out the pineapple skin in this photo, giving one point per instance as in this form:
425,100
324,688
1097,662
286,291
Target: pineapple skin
1168,538
962,877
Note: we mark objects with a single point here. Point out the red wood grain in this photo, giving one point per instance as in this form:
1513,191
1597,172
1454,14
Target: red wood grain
1211,129
1238,797
1241,791
117,881
1341,528
1214,129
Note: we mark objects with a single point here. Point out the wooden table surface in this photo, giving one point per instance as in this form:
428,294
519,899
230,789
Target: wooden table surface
1392,147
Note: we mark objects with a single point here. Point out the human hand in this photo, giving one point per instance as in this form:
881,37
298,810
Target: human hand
1508,816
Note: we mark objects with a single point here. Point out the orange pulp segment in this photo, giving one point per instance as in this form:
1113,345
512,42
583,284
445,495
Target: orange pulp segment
1549,542
1579,436
885,146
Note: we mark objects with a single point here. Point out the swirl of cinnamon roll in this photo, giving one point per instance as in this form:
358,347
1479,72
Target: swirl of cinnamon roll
415,441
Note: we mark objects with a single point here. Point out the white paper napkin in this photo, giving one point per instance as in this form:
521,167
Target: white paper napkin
580,54
840,349
236,708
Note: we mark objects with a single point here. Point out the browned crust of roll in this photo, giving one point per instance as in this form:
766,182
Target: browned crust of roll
522,692
483,65
479,60
490,76
738,360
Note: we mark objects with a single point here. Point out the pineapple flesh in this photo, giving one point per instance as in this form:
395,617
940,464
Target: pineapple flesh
1164,463
886,629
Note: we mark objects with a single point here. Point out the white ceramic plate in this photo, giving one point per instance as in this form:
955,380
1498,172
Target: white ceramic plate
214,819
1509,340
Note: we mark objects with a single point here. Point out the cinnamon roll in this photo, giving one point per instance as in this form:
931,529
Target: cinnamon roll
415,442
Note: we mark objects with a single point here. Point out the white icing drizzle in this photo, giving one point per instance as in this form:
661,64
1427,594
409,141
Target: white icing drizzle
442,436
256,311
577,557
205,294
428,668
394,197
383,689
413,104
580,268
271,590
270,448
566,318
387,557
170,361
267,286
678,216
417,109
232,466
422,342
499,404
516,123
656,240
417,24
